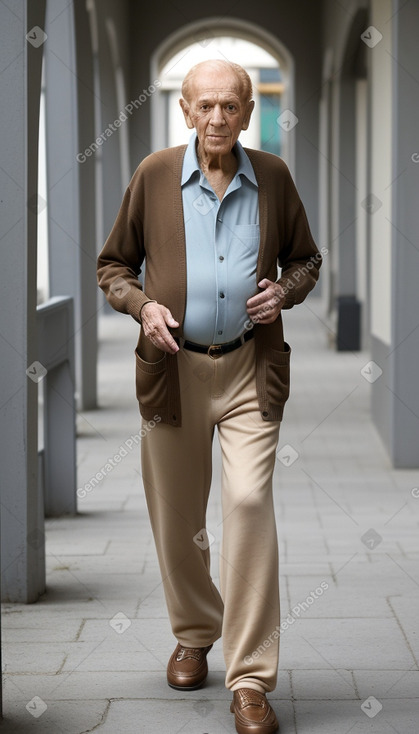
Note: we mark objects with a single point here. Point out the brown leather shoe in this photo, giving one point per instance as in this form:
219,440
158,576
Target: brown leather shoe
253,713
188,668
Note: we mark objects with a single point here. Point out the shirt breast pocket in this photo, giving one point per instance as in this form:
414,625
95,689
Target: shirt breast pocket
246,238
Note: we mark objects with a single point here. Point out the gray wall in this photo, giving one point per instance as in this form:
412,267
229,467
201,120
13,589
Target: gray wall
343,24
404,356
113,186
395,396
337,19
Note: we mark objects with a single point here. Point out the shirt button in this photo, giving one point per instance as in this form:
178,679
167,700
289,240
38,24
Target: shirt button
219,219
221,258
220,332
222,295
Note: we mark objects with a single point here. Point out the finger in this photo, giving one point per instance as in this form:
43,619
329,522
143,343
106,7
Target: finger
163,340
258,300
159,335
169,343
164,347
268,299
170,321
260,307
264,319
265,283
272,314
264,315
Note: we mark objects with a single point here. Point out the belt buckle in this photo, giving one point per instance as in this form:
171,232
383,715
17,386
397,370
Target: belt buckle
216,347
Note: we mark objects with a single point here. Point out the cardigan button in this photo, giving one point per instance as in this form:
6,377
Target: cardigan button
265,413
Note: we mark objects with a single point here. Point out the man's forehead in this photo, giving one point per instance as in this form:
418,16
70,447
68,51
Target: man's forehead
212,81
216,91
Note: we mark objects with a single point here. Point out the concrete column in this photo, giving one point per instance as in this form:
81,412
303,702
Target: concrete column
71,201
352,69
347,217
325,237
361,166
87,202
380,178
112,185
348,307
108,25
22,531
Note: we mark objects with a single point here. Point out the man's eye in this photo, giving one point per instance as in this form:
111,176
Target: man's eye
231,107
205,107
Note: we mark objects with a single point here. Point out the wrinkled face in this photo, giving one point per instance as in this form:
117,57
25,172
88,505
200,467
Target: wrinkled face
216,110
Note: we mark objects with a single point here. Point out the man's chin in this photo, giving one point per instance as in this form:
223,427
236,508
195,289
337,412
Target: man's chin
222,146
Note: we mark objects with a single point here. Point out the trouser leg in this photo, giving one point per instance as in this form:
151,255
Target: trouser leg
177,476
249,555
176,469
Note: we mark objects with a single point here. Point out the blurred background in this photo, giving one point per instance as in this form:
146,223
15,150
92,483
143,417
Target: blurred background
89,88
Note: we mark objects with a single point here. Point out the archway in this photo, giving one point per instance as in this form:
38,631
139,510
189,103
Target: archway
200,37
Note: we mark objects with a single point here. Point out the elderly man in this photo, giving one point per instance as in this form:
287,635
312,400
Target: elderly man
212,222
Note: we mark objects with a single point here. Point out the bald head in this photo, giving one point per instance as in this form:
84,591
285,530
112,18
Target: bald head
242,78
217,103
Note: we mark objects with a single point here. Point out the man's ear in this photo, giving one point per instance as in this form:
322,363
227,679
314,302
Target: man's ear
186,113
248,114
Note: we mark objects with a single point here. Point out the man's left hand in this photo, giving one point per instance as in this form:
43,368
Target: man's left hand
265,307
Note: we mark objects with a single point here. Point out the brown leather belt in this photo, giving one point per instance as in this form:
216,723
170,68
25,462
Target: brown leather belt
217,350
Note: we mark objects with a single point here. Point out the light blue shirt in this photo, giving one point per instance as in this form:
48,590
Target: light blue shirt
222,245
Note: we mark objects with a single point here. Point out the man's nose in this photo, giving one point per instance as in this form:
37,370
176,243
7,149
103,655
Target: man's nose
217,117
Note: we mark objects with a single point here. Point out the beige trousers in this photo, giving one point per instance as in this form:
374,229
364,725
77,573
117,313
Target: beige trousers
177,471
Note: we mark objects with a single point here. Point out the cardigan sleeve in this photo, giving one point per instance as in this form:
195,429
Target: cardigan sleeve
300,258
119,263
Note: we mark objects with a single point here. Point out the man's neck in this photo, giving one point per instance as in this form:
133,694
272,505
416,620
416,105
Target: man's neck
226,165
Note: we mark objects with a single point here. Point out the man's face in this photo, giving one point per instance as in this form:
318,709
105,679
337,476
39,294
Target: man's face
216,110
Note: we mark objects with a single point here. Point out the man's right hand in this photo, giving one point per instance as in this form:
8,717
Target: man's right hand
155,320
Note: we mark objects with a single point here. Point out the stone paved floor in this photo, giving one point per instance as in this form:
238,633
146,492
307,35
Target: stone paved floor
91,654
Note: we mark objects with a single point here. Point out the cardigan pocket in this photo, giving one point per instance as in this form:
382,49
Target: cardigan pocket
151,382
278,374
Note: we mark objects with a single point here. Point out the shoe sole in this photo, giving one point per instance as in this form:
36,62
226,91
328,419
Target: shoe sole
242,729
186,688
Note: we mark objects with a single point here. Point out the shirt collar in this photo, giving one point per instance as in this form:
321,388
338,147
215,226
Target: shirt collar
191,165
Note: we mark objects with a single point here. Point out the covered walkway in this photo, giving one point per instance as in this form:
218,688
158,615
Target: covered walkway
91,654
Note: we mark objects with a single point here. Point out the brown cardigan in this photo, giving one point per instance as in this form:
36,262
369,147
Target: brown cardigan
150,227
